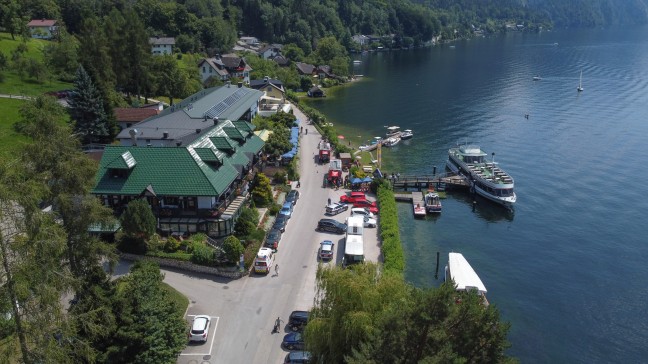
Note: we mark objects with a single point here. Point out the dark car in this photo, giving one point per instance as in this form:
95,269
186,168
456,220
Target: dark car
280,223
293,341
292,196
331,226
273,238
326,250
297,357
298,320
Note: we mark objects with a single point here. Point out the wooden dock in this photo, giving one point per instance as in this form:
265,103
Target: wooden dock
442,182
416,198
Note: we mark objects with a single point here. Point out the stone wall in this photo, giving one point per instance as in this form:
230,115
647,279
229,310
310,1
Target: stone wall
232,273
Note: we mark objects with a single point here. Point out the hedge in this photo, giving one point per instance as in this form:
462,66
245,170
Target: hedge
177,255
394,259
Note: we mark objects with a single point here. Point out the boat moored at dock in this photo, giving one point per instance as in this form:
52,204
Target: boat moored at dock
432,203
487,178
464,277
406,134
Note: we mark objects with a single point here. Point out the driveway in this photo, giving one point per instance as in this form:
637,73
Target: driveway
245,309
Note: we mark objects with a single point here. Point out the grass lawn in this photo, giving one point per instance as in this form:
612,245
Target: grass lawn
181,301
12,83
10,141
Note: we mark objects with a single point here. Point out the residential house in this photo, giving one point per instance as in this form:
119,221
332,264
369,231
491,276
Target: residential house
224,68
269,51
199,182
187,120
305,69
315,91
162,45
324,72
250,41
281,60
128,116
43,28
363,40
274,98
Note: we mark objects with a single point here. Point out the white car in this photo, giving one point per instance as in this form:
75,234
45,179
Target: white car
362,211
370,222
200,328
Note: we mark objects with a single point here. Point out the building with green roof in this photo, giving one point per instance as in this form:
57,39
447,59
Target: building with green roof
191,182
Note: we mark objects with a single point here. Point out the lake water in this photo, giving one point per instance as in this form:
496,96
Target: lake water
568,267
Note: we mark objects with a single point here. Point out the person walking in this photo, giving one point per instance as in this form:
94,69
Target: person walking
277,270
277,325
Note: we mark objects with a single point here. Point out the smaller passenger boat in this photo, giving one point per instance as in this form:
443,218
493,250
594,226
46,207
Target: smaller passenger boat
357,61
390,142
537,78
407,134
393,131
463,276
432,203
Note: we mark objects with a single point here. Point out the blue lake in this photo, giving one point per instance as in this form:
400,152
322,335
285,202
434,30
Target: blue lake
568,267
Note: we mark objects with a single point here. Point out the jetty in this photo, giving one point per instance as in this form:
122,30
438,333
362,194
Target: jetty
442,182
417,201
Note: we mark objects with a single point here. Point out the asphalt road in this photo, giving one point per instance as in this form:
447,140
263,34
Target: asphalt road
243,311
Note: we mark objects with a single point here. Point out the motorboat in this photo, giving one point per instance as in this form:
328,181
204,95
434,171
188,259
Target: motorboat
357,61
432,203
537,78
406,134
463,276
393,131
486,178
580,82
419,211
391,141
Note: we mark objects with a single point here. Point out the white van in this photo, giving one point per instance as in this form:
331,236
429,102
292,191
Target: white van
263,261
355,225
353,250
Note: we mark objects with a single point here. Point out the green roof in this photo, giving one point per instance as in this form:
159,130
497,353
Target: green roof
253,144
244,127
222,143
170,172
125,161
207,154
234,133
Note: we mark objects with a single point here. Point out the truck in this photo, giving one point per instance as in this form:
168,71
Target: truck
324,152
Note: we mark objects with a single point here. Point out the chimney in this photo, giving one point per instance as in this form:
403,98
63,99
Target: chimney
240,84
215,120
198,131
178,143
133,134
165,135
265,79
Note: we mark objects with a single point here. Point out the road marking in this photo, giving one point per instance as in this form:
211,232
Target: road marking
212,340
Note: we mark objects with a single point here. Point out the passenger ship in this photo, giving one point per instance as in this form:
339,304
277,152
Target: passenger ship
486,178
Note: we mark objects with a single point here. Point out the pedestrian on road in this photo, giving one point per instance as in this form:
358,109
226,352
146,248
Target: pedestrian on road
277,273
277,325
329,201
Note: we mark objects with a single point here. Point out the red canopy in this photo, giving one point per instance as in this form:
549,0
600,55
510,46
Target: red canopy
334,173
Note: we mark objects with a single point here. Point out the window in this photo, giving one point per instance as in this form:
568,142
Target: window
203,69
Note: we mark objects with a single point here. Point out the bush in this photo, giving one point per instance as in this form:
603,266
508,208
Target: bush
177,255
280,177
394,258
246,222
155,243
262,192
274,209
293,175
127,244
357,172
202,254
233,249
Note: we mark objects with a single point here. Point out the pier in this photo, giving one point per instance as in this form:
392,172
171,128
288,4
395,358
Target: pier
442,182
415,197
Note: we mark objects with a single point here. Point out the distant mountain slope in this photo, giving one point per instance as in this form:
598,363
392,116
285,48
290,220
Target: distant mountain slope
589,13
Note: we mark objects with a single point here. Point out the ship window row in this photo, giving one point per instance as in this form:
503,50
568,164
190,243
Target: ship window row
500,192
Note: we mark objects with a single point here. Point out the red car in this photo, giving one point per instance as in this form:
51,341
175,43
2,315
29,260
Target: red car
353,197
367,205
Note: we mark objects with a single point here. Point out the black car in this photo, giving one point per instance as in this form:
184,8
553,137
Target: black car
292,196
280,223
297,357
273,238
298,320
332,226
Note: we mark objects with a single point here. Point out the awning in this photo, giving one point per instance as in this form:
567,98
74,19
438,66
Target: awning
367,179
334,173
356,180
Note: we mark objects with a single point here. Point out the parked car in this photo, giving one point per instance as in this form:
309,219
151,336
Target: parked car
199,328
297,357
371,206
286,209
352,197
335,208
293,340
331,226
292,197
273,238
280,223
362,211
370,222
298,319
326,250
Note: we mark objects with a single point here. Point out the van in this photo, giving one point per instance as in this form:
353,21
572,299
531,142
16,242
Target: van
263,261
355,225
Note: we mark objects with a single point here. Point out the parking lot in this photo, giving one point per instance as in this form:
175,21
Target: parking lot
202,349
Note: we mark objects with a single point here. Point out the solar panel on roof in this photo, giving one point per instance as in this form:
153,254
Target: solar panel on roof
219,108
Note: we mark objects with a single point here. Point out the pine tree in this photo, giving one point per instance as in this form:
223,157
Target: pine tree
86,109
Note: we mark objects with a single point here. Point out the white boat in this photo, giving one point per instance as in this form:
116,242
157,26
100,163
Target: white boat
432,202
580,82
393,131
357,61
463,276
407,134
537,78
390,142
487,178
